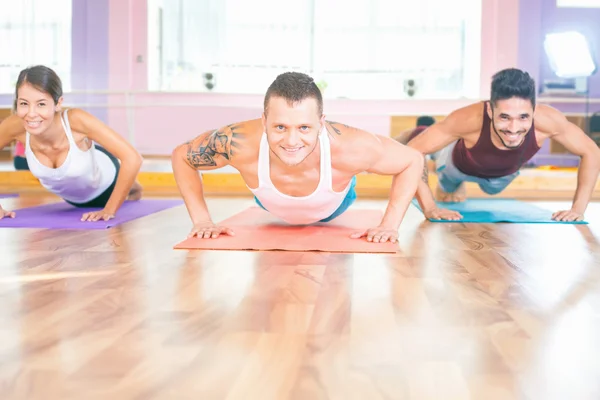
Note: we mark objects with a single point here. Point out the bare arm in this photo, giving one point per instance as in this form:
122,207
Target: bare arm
578,143
360,151
10,128
210,150
131,160
433,139
365,152
403,136
405,164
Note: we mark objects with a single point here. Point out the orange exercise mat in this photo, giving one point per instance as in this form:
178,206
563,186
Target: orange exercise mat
256,229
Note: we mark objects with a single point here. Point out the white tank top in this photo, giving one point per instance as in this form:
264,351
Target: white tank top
82,177
299,210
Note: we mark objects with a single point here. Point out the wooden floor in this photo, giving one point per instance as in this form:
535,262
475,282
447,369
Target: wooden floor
482,312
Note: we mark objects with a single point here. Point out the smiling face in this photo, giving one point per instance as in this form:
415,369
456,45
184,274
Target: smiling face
511,120
292,128
35,108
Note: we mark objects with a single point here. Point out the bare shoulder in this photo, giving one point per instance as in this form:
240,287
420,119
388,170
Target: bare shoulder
11,128
338,128
344,137
83,123
356,150
548,120
239,139
77,115
233,144
80,120
465,120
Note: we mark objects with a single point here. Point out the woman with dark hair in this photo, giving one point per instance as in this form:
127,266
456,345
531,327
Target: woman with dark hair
61,150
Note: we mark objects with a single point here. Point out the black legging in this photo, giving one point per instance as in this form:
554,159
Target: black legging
103,198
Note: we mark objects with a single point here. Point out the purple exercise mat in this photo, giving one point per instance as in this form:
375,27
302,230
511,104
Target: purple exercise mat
65,216
8,195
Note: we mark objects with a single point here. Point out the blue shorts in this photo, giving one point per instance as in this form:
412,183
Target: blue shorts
348,201
450,177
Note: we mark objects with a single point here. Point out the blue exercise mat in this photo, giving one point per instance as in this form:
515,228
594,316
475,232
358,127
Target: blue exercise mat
499,210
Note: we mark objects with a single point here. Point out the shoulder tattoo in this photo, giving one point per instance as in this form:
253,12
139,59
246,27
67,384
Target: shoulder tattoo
206,148
335,126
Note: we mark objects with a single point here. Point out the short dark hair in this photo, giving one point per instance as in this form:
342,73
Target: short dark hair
294,87
512,82
42,78
425,120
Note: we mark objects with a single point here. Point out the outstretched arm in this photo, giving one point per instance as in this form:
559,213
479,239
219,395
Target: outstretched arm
210,150
360,151
130,158
406,165
365,152
433,139
578,143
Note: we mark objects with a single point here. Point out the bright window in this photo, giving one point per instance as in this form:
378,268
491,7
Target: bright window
34,32
578,3
359,49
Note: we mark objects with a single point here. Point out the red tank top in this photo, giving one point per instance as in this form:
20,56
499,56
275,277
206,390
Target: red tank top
485,160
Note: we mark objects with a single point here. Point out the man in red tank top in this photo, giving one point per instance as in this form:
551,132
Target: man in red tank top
488,142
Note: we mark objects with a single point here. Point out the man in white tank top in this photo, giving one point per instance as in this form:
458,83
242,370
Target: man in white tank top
300,167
